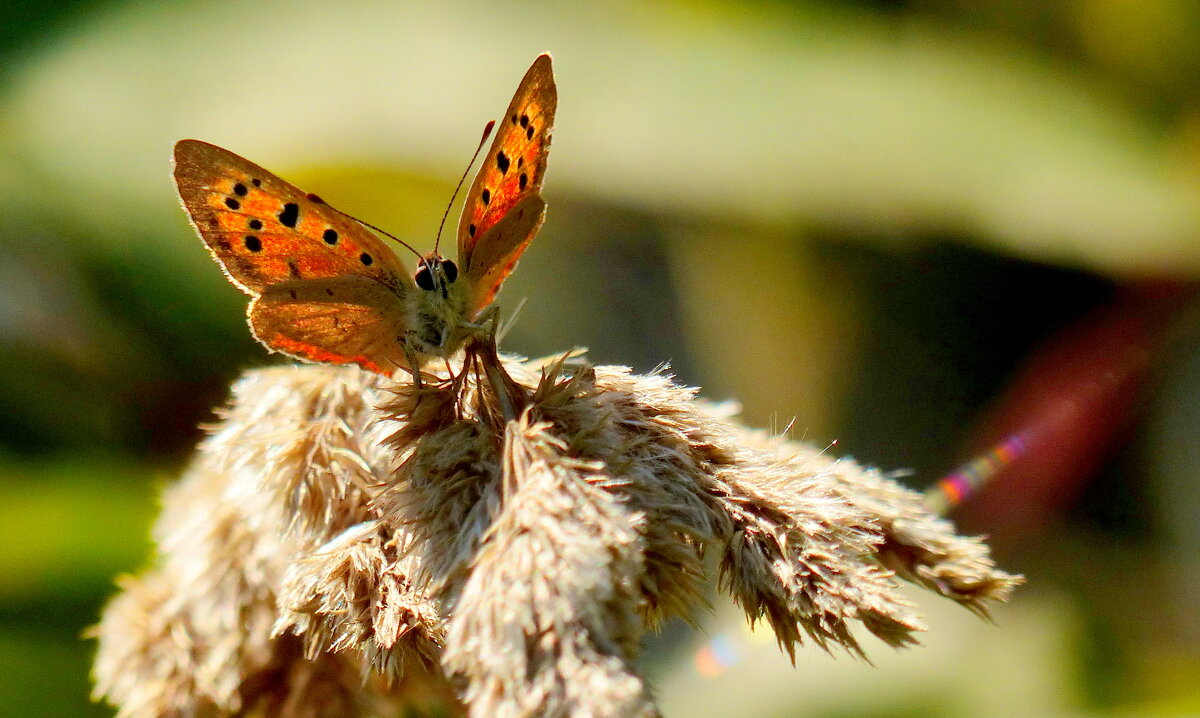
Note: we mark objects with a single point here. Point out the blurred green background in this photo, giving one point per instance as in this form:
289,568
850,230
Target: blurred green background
858,219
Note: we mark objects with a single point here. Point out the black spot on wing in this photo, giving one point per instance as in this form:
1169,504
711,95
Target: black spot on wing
289,215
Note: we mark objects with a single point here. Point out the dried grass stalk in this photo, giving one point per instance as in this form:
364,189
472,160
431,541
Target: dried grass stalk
285,472
355,594
349,545
546,623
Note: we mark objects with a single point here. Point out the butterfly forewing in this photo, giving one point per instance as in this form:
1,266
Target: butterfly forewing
264,230
512,171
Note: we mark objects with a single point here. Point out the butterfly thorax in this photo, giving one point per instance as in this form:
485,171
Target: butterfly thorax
442,324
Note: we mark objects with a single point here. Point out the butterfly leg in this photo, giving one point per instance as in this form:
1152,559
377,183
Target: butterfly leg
485,319
453,381
413,366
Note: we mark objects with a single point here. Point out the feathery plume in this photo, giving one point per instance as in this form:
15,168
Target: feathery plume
345,544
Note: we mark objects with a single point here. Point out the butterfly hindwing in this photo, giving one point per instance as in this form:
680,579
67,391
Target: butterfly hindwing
512,172
338,320
497,252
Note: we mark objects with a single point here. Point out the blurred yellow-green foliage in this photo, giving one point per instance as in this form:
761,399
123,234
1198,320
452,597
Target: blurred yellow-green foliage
860,215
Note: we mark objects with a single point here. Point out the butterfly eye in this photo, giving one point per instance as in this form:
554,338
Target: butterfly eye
451,270
424,278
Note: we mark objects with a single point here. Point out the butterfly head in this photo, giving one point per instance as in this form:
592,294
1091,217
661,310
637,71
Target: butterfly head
440,324
435,273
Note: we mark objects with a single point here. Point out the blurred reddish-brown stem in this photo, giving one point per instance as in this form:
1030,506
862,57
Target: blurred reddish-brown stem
1070,406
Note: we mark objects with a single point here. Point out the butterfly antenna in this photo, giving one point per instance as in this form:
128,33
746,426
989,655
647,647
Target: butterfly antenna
487,132
388,235
368,225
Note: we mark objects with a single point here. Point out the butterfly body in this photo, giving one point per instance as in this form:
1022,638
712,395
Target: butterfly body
444,318
325,288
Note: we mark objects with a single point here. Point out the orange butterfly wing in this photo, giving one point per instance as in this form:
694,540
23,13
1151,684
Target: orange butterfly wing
509,177
336,320
325,288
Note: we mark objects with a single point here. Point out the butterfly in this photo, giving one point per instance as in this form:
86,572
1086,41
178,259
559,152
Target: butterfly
325,288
